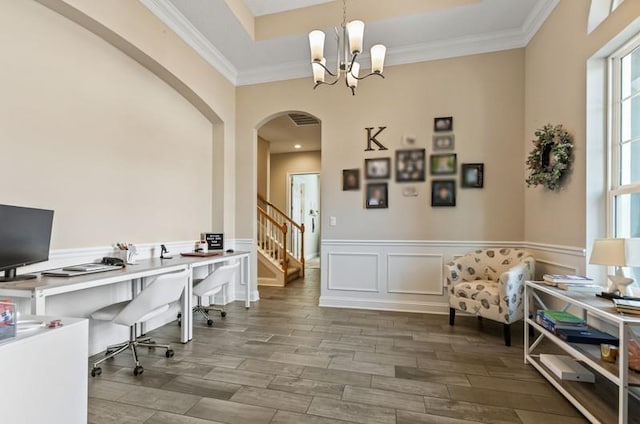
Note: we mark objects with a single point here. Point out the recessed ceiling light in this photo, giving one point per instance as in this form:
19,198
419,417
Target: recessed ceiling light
297,146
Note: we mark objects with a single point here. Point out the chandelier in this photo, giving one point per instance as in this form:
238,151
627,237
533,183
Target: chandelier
349,39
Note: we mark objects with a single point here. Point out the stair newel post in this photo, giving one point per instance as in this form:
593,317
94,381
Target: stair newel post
302,249
285,266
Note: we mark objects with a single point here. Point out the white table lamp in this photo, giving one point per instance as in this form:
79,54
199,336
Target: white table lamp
617,252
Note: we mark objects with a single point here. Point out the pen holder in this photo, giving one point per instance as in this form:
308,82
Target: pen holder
131,255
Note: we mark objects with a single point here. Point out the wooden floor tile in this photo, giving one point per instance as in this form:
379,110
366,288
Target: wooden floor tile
231,412
106,412
351,411
307,387
272,399
384,398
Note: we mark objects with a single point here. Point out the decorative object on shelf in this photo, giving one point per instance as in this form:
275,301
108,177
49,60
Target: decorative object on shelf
472,175
8,319
550,158
377,169
443,193
350,179
410,165
609,353
443,124
443,142
443,164
349,41
377,196
617,252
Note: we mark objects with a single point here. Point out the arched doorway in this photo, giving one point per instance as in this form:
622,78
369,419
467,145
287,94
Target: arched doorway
289,202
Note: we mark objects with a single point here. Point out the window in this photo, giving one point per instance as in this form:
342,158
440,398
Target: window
624,156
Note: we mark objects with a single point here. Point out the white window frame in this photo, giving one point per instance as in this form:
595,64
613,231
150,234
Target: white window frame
614,135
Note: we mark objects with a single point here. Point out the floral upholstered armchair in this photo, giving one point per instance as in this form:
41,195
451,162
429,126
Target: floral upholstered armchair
489,283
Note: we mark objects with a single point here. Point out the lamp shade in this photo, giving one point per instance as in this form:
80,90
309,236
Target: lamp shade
377,58
352,76
355,29
611,252
316,43
318,70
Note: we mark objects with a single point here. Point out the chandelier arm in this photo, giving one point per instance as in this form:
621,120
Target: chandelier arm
368,75
319,83
325,68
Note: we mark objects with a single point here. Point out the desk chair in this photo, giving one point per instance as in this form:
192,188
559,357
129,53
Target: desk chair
155,299
215,282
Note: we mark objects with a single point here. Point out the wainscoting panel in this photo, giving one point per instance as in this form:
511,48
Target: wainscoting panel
353,271
407,275
415,273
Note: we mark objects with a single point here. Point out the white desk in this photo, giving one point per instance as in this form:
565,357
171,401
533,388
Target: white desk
39,289
44,374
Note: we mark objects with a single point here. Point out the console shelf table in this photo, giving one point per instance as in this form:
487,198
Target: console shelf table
617,388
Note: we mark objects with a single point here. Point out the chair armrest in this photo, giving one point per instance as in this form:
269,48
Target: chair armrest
511,283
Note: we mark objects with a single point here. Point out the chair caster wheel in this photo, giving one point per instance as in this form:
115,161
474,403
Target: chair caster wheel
209,322
223,314
96,372
169,353
138,370
179,315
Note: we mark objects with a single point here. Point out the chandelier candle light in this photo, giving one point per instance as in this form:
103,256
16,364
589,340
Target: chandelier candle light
349,38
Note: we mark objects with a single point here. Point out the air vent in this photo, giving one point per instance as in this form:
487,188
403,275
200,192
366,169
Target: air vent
300,119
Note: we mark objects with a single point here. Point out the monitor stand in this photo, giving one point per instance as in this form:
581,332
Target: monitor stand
10,275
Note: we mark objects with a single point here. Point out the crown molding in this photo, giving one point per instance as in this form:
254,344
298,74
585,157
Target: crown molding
537,17
446,49
423,52
171,16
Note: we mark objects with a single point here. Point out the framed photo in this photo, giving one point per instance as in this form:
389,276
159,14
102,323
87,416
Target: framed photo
410,165
472,175
443,164
377,196
377,168
444,142
350,179
443,124
443,193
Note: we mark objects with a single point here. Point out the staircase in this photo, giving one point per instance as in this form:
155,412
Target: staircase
280,246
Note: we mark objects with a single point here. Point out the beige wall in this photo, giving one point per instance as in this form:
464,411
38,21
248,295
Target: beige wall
556,81
485,94
89,132
287,163
264,167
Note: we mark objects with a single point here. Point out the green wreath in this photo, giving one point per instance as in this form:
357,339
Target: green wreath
550,158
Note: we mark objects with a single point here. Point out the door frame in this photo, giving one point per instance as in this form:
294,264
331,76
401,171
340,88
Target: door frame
290,176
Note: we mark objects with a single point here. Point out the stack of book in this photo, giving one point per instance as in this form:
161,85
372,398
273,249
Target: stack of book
570,282
627,306
559,320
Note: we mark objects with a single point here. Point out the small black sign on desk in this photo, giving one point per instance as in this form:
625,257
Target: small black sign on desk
215,241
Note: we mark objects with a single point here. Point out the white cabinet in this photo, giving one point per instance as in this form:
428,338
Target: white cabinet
607,400
44,374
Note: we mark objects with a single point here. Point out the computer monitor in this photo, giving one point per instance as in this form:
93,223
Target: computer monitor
25,237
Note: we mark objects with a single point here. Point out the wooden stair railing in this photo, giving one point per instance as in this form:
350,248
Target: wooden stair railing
272,240
294,237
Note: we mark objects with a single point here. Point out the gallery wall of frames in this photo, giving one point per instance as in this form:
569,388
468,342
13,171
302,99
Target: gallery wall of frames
410,165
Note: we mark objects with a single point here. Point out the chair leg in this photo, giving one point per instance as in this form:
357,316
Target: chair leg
507,334
452,316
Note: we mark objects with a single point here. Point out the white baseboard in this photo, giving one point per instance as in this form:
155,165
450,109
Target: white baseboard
384,305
